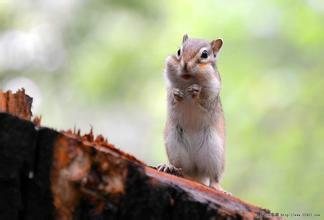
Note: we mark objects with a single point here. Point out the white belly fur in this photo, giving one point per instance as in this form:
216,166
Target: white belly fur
199,151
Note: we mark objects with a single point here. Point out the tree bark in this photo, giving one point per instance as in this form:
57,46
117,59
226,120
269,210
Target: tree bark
45,174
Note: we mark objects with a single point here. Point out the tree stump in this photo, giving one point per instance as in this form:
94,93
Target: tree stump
45,174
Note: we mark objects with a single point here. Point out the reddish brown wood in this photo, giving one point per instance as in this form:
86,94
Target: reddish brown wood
92,179
17,104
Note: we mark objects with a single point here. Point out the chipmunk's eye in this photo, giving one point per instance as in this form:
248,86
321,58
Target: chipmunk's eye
204,54
178,52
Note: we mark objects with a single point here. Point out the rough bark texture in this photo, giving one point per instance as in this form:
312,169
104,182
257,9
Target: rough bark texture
45,174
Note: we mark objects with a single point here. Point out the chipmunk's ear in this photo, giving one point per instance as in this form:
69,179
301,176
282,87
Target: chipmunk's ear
216,45
185,38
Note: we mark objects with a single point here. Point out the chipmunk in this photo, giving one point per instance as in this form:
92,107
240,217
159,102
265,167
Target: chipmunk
194,134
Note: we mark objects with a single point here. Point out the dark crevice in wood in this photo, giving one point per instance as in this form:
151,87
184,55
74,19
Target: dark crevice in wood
85,177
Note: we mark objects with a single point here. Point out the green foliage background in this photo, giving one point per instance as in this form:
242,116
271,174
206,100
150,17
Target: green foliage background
100,63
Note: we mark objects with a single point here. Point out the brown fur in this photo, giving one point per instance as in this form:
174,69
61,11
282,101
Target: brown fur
195,127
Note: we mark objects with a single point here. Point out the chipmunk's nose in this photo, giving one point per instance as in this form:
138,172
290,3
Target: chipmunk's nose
184,65
184,73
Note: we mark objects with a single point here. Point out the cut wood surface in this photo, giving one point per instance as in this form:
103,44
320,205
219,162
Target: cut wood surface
18,104
45,174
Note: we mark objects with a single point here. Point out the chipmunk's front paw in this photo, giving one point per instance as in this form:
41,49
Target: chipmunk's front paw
193,90
168,168
177,94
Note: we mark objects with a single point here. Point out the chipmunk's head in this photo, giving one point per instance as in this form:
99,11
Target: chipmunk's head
194,60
